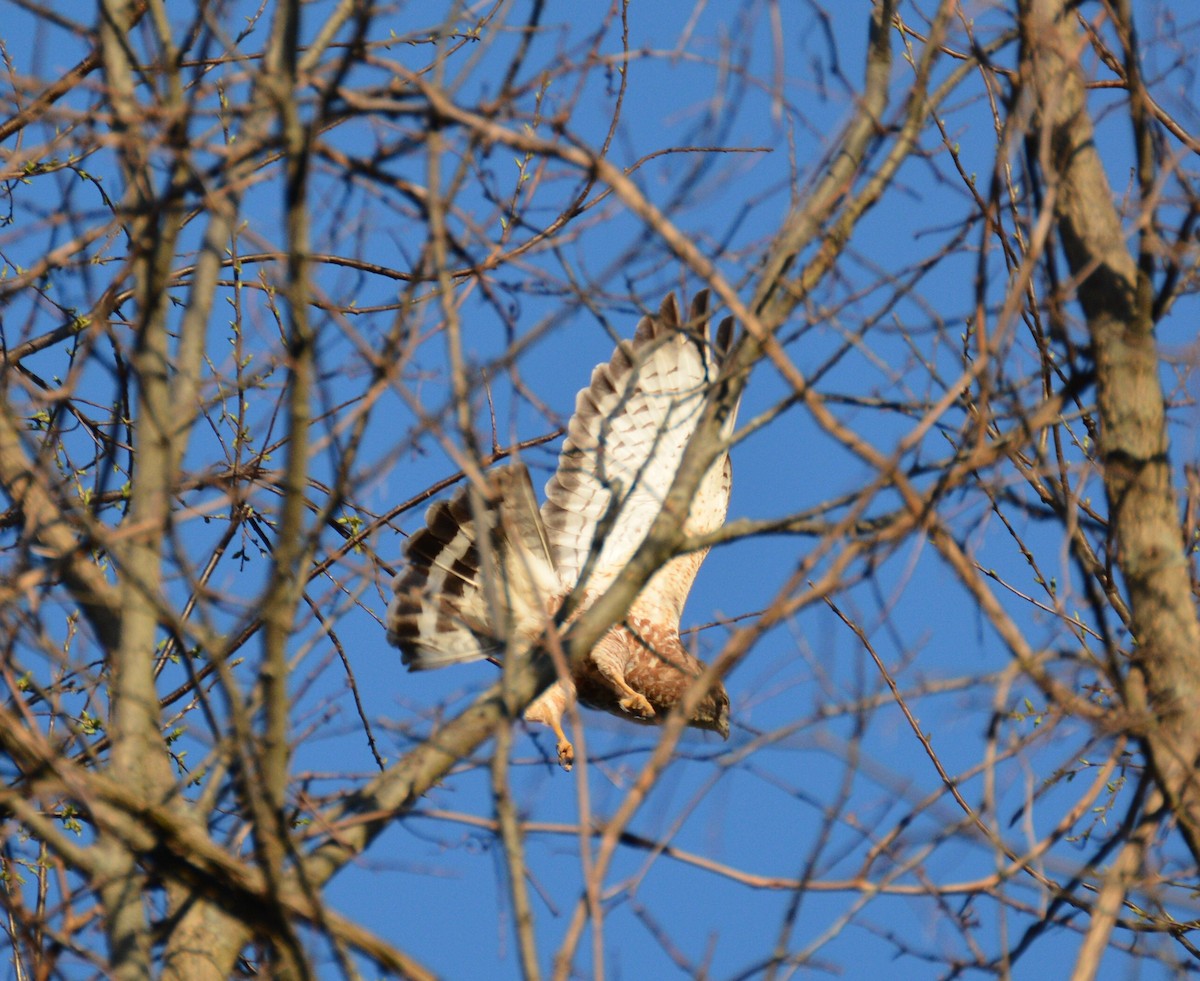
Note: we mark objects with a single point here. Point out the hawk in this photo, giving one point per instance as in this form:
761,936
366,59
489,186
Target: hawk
464,595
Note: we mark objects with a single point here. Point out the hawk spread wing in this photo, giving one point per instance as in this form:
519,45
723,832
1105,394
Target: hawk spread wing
490,570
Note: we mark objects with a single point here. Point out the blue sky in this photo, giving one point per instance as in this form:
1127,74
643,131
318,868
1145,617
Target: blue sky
799,753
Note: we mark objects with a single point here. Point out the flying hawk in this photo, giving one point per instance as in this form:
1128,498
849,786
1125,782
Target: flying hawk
456,601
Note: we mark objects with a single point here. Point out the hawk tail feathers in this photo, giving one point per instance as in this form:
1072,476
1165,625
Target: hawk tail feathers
458,602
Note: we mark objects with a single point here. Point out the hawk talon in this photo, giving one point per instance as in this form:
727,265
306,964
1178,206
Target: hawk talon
636,704
566,755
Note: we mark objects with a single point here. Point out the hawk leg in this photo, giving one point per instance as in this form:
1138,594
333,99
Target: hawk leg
566,752
609,658
548,709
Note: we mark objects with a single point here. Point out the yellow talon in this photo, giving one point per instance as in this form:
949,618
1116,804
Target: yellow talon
636,704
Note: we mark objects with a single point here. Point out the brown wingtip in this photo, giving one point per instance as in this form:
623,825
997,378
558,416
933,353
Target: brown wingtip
668,312
698,317
724,339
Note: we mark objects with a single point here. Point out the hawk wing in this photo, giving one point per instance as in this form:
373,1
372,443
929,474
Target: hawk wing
623,448
456,601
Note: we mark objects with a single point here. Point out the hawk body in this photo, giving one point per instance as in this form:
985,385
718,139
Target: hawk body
490,569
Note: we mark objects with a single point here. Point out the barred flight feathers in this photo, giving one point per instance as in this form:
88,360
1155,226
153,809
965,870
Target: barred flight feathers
445,610
626,440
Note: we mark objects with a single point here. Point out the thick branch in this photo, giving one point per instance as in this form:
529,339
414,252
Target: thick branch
1164,680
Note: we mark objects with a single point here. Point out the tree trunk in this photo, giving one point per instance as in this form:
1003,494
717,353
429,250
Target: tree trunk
1162,685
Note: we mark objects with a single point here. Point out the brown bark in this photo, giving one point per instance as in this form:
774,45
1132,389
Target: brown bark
1162,685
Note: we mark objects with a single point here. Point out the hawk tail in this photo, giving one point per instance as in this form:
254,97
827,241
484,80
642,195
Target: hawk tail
456,601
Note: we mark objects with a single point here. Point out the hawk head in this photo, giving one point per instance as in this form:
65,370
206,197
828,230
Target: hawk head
713,711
